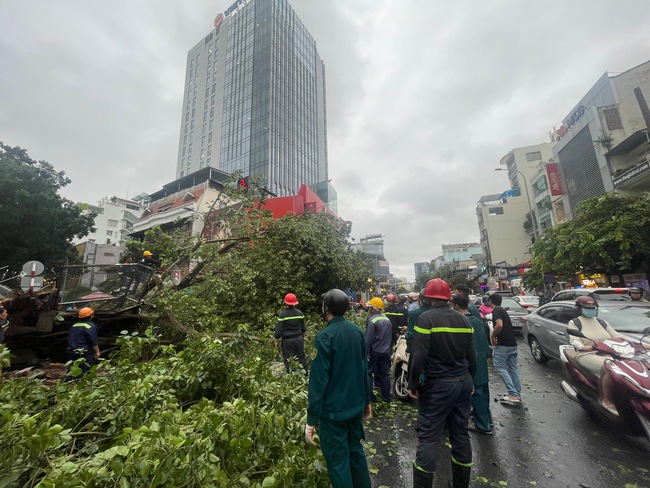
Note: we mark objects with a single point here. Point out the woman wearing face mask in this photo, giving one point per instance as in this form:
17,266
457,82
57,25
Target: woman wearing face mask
597,330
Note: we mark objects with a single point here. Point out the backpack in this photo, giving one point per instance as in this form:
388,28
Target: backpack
578,324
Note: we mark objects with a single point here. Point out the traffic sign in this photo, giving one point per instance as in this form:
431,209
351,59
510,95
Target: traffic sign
26,283
35,267
175,274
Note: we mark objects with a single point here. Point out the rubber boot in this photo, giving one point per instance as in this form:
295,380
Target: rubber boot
422,479
460,475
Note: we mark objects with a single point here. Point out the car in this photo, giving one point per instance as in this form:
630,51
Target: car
544,329
528,301
619,294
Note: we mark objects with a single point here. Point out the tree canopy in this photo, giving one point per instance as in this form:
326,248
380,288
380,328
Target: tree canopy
38,223
609,234
251,261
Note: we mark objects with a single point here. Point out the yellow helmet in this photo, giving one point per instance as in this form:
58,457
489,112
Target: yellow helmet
377,303
147,253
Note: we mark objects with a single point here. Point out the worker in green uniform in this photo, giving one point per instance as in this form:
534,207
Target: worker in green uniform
339,395
481,416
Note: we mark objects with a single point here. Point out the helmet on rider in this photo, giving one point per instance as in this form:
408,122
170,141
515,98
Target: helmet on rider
336,302
85,312
413,296
391,297
147,253
376,303
636,293
437,288
290,299
486,299
586,302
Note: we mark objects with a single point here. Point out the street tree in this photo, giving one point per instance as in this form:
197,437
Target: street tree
37,222
249,261
609,234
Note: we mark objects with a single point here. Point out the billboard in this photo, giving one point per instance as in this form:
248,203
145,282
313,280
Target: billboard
554,182
381,267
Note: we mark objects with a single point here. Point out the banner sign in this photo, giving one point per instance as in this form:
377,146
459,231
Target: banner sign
554,182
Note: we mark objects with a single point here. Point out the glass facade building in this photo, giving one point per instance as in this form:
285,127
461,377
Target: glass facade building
255,101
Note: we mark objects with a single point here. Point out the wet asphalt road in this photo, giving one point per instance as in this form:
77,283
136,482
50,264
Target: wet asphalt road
549,442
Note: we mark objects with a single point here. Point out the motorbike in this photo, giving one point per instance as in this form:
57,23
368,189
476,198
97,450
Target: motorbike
399,369
629,369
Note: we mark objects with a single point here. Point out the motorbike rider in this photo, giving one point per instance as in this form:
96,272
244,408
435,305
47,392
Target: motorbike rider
636,294
398,315
413,302
594,330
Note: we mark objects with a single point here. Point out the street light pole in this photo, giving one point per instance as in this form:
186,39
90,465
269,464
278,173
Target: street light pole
530,208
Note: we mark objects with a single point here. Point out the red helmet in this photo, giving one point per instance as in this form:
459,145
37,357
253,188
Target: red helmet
391,297
587,302
437,288
290,299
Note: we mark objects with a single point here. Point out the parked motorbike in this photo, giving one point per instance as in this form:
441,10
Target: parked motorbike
399,369
629,370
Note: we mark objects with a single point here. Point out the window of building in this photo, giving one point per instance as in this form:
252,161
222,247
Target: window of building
109,232
209,150
495,211
612,118
132,207
209,137
185,139
112,223
534,156
202,141
202,153
192,124
184,151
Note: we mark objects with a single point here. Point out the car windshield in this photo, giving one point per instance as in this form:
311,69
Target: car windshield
511,304
611,296
626,319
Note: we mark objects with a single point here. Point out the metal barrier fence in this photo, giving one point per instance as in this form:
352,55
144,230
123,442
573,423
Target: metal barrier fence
107,286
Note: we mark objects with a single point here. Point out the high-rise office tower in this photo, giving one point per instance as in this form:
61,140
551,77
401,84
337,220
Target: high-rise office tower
255,100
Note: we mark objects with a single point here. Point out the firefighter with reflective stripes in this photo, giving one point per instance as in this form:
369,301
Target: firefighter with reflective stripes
82,341
398,315
290,329
442,349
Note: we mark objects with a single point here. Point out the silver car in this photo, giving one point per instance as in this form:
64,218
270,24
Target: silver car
544,330
515,311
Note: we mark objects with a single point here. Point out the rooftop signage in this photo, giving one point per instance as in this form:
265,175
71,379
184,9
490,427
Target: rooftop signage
234,7
633,173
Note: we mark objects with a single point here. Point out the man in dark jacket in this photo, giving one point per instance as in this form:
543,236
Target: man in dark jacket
339,395
290,329
442,349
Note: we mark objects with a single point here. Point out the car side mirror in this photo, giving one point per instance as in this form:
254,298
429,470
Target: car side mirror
506,308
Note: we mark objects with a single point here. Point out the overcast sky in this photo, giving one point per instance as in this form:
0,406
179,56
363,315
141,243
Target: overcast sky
424,96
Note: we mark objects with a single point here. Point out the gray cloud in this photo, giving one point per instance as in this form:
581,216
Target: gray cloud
424,97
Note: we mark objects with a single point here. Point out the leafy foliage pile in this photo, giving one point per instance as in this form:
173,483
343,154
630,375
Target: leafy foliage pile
37,222
609,234
208,414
